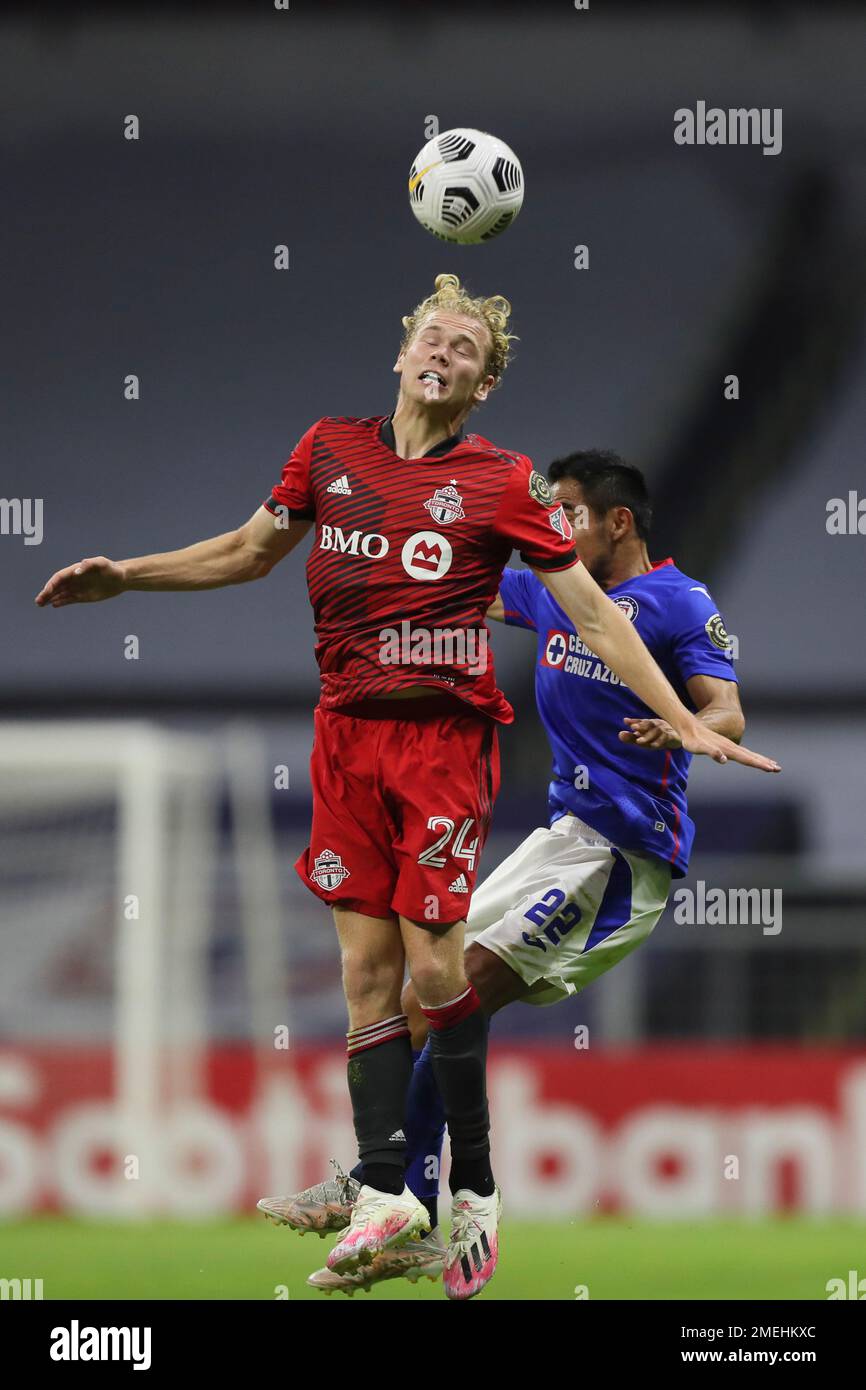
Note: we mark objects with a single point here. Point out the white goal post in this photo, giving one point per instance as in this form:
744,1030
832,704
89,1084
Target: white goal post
110,829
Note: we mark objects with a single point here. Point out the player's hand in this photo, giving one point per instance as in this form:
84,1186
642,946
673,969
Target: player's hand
697,738
87,582
650,733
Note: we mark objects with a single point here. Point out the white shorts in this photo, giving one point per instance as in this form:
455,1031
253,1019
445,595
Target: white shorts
566,906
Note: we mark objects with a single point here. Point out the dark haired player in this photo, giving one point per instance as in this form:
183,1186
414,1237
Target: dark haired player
414,522
574,898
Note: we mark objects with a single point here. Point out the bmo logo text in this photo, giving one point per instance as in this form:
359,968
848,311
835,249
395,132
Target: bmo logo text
374,546
427,555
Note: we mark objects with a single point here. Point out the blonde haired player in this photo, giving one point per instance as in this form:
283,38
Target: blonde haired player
413,520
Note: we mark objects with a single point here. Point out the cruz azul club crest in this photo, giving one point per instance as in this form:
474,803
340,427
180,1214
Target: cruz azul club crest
328,870
446,504
629,606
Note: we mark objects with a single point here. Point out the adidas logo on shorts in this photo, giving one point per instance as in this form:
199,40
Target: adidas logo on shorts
340,485
459,885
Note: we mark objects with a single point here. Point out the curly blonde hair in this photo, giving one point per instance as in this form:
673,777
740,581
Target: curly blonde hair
493,312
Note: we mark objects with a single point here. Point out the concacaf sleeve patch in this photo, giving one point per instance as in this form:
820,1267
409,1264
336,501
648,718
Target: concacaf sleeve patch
560,522
716,632
539,489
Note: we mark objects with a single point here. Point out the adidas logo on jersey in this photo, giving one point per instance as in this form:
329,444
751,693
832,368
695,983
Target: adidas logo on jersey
340,485
459,885
398,1137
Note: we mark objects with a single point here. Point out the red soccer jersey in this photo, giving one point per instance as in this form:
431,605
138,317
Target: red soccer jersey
407,551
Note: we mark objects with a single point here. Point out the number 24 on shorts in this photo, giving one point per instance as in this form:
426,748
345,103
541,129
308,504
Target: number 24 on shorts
461,850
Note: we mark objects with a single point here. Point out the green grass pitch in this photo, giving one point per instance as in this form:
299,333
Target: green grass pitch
615,1259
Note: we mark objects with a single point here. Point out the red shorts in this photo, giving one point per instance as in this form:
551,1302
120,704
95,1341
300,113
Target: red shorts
401,807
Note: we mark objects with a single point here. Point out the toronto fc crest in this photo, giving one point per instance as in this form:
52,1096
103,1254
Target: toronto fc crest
446,504
328,870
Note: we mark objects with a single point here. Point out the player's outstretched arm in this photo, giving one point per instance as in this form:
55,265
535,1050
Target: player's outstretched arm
607,631
234,558
717,704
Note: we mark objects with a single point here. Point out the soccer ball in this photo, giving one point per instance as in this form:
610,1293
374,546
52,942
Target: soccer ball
466,186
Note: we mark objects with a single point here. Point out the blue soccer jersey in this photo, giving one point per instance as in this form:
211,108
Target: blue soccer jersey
635,797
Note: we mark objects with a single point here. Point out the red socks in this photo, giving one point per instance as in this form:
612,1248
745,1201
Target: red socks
453,1011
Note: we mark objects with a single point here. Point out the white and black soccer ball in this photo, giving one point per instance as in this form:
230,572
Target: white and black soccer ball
466,186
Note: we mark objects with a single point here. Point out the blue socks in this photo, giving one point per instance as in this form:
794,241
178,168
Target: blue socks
425,1133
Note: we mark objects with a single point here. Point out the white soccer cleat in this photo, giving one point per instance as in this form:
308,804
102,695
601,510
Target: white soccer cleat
380,1221
473,1248
423,1259
325,1208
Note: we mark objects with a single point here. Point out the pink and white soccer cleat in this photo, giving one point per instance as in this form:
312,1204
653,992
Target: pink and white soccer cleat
380,1221
473,1248
422,1259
